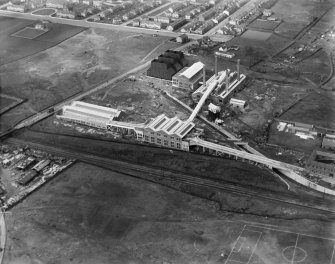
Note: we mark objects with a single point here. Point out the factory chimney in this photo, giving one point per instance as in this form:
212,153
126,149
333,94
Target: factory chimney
204,76
216,65
227,79
238,69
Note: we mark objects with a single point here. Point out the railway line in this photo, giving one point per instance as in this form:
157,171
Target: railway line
317,204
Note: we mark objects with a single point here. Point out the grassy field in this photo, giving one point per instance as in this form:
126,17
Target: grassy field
44,12
72,66
315,109
14,48
260,24
92,215
191,163
296,15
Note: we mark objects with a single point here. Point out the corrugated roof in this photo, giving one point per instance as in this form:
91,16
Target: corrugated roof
194,69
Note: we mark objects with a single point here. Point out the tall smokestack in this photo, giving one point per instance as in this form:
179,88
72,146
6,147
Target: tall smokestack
204,76
227,79
238,69
216,65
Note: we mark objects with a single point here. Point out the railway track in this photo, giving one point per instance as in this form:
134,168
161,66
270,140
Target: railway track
155,175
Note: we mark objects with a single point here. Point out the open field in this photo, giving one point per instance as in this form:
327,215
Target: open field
29,33
8,102
315,109
77,64
92,215
14,48
260,24
146,154
296,15
45,12
267,245
256,35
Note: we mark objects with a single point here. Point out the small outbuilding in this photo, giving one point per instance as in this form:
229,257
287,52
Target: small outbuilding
182,39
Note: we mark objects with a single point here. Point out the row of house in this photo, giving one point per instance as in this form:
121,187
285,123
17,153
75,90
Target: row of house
205,27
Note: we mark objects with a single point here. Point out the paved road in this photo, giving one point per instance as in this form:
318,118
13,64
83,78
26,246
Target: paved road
84,23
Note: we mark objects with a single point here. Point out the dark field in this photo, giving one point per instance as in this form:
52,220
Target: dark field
256,35
264,25
180,161
14,48
44,12
315,109
28,33
5,102
92,215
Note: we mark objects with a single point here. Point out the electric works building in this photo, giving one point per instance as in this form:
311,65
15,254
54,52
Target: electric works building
167,65
189,77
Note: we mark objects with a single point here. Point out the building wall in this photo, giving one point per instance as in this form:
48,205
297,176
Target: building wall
183,83
328,143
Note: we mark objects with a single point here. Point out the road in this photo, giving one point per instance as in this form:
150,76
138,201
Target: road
84,23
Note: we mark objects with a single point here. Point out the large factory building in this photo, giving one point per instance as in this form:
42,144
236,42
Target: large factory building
189,77
225,83
168,132
89,114
167,65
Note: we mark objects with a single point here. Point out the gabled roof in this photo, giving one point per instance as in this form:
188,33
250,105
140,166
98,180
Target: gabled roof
193,70
170,126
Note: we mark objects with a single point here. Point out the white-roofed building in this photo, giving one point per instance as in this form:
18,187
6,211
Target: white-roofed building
237,103
168,132
189,77
89,114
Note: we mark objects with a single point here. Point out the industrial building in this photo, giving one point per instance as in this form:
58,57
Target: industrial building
321,163
328,142
189,77
167,65
168,132
225,83
89,114
240,104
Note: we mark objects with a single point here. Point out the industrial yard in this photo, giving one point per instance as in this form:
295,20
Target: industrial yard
167,131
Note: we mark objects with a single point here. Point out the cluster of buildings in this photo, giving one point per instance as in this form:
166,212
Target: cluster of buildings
167,65
162,130
321,163
172,66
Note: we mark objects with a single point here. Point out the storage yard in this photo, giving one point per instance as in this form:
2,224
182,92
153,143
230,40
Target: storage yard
25,169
